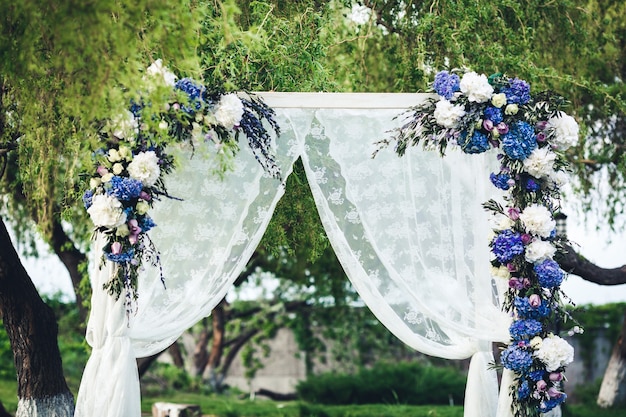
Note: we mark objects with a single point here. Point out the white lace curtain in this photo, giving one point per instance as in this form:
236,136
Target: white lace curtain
409,232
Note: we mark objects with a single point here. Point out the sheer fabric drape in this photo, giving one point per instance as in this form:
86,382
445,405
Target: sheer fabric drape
409,232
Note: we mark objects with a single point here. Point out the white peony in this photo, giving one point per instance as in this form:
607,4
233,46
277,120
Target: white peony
125,126
555,352
229,111
537,220
161,73
539,250
558,178
540,163
476,87
106,211
145,168
447,114
565,131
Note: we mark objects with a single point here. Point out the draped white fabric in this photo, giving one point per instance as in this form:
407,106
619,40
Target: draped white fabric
409,232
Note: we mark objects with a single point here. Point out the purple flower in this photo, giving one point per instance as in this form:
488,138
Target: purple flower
532,185
494,114
135,230
525,329
446,84
500,180
507,245
517,92
520,141
478,143
516,359
549,274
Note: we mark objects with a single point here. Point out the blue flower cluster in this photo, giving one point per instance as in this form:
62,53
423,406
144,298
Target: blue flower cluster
526,311
494,114
525,329
478,143
532,185
194,92
87,198
507,245
122,257
446,84
549,273
516,359
519,142
146,223
517,92
124,188
548,405
500,180
523,391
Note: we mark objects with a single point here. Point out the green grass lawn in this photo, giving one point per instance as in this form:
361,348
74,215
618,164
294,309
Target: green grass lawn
229,406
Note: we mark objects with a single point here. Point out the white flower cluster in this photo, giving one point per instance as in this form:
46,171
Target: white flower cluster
554,352
106,211
229,111
537,220
564,130
539,250
447,114
145,168
476,87
161,73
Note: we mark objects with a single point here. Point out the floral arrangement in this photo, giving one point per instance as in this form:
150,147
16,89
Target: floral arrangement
478,113
130,166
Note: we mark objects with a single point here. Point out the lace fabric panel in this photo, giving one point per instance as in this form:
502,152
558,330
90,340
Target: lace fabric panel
410,232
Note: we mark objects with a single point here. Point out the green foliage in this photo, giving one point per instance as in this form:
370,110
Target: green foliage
7,365
400,383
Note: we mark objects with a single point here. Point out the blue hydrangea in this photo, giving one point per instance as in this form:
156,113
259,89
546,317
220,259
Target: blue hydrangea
523,391
526,311
536,375
516,359
122,257
517,92
548,405
478,143
124,188
194,92
525,329
87,198
507,245
146,223
494,114
549,274
500,180
532,185
446,84
519,142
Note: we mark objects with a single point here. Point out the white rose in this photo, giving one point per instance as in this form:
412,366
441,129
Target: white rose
125,126
122,230
107,177
125,153
540,163
118,168
94,182
564,129
539,250
504,223
106,211
114,155
537,220
555,352
145,168
498,100
536,342
229,111
447,114
161,73
511,109
476,87
500,272
142,207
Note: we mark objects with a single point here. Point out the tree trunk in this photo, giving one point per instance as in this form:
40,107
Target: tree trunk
32,330
613,388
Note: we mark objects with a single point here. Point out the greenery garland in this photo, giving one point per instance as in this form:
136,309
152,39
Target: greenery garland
478,113
130,166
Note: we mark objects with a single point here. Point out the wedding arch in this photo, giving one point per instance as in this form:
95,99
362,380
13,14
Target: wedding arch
410,233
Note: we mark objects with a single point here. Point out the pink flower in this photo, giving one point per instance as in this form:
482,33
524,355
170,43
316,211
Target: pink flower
515,283
503,128
511,267
541,137
488,125
102,170
145,196
514,213
135,230
541,385
554,393
556,376
534,300
526,238
116,248
541,125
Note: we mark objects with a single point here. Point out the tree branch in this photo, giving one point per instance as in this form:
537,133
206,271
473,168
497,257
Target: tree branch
576,264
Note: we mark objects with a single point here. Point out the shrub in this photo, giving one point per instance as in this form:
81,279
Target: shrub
403,383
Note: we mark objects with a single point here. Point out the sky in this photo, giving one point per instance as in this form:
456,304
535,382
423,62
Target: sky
50,276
